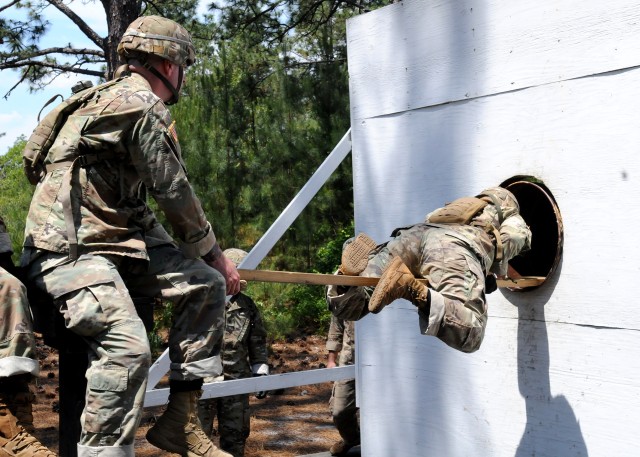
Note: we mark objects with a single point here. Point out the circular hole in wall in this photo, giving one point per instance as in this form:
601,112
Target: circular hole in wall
540,211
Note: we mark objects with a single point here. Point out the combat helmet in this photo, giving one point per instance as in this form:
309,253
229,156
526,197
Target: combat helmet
158,36
235,255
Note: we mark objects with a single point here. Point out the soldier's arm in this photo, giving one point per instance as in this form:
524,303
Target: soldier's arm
155,153
335,335
516,239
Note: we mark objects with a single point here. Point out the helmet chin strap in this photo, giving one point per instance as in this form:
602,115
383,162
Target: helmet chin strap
174,90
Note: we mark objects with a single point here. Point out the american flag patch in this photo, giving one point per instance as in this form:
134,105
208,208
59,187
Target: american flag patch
172,131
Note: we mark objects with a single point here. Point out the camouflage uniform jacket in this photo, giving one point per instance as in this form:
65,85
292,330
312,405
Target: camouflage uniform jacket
514,234
131,133
341,338
245,338
5,241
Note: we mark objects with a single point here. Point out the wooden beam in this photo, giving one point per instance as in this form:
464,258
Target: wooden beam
344,280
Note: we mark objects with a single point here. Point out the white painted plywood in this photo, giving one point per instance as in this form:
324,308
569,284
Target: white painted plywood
557,374
421,53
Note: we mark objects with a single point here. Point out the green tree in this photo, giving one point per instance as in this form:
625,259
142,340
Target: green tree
20,47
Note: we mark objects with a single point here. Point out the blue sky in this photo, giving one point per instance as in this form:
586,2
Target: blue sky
18,113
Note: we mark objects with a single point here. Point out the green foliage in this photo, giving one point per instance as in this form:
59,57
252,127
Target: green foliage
162,319
15,195
290,310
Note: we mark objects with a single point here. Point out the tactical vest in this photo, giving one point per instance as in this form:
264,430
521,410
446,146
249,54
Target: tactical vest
39,144
462,211
43,136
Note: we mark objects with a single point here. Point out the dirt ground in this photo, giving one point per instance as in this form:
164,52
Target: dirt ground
296,422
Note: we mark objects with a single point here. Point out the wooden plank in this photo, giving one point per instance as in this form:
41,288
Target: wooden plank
343,280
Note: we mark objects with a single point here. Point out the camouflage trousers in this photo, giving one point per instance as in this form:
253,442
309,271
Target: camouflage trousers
94,294
344,410
17,342
233,421
458,311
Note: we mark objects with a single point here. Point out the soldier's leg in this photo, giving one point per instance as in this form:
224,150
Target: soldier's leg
198,294
345,412
457,313
96,305
234,423
17,367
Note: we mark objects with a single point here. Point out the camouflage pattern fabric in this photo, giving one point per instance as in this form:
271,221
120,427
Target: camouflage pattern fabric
341,338
118,147
244,345
130,127
94,296
455,259
17,342
157,36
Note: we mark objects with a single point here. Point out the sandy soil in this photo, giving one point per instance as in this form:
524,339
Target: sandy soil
295,423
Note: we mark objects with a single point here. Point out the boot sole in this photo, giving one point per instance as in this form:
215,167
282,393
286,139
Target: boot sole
356,255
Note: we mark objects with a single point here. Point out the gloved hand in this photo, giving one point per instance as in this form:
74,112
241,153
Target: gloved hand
490,283
260,369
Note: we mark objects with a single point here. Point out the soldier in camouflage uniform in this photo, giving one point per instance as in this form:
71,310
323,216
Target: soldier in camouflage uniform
18,364
92,242
341,340
244,354
456,257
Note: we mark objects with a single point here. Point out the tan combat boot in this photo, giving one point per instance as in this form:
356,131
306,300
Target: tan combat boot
14,439
397,281
178,429
355,255
340,448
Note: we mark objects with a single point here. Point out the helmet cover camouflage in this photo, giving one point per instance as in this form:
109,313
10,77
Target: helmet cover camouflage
235,255
158,36
508,203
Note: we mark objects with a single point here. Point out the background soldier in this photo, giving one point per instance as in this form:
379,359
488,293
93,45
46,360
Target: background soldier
244,354
341,340
456,250
18,364
92,242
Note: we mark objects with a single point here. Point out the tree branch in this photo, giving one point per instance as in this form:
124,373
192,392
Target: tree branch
9,5
88,31
44,52
55,66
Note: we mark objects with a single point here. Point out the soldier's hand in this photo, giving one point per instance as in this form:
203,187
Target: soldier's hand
262,394
230,273
260,369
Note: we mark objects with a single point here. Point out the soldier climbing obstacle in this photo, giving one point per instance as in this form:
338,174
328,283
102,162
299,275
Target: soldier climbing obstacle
457,249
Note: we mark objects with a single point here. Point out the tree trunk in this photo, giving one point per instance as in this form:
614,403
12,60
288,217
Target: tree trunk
120,13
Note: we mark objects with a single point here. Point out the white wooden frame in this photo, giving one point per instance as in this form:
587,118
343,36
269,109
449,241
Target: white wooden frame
155,397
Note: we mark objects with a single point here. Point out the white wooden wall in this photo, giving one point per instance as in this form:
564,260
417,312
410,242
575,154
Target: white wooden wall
449,97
